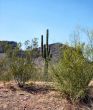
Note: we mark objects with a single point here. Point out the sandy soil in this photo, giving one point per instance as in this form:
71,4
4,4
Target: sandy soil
37,97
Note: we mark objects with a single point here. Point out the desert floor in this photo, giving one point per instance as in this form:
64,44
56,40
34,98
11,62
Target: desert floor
38,96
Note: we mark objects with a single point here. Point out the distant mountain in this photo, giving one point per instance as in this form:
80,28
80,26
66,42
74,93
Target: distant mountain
4,43
54,49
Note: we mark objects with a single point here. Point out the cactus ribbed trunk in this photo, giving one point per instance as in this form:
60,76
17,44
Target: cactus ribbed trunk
42,45
44,52
46,70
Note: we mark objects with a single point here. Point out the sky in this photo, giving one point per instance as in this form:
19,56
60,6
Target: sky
22,20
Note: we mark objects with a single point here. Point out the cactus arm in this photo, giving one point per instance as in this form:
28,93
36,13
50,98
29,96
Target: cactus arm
44,55
42,50
47,35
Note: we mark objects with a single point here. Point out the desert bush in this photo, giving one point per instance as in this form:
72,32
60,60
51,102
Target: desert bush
22,66
5,74
73,73
22,70
2,66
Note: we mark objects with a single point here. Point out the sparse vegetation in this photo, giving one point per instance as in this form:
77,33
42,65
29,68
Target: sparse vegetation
17,65
71,73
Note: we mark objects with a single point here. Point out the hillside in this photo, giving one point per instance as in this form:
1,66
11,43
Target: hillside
54,49
3,44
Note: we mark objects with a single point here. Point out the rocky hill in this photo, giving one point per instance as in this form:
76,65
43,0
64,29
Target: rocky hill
4,43
54,49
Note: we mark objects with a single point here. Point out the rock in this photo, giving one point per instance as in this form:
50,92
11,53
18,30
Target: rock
5,106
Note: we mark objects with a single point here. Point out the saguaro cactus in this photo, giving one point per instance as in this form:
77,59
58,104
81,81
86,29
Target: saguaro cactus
45,50
42,45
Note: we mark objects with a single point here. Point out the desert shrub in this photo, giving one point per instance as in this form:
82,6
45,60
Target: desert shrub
2,66
22,70
5,74
73,73
21,63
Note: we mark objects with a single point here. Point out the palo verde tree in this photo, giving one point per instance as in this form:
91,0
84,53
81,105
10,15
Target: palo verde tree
45,51
72,74
89,46
74,71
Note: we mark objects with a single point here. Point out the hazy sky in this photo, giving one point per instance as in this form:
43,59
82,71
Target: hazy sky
21,20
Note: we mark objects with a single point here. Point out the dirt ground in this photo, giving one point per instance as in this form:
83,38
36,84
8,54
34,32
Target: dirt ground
37,97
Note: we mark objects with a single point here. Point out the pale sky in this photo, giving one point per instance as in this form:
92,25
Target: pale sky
22,20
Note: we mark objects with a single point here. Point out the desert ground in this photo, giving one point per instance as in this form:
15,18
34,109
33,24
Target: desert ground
38,96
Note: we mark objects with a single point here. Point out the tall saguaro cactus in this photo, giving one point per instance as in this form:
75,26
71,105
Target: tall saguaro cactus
45,50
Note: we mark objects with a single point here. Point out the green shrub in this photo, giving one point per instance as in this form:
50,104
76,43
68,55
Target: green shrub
2,66
5,74
22,66
73,73
22,70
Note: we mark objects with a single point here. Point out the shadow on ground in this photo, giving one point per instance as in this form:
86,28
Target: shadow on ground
36,89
